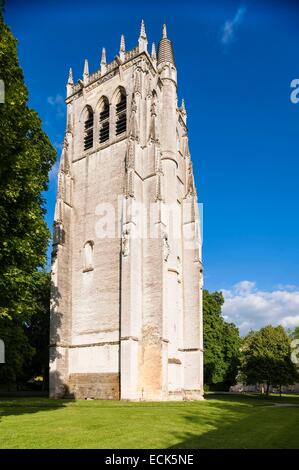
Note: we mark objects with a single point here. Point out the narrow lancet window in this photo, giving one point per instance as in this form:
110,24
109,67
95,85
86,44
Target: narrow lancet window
88,131
104,121
88,256
121,114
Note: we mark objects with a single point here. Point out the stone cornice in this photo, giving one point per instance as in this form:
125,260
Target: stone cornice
96,78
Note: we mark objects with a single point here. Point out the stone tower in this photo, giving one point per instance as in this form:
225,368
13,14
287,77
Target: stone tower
126,308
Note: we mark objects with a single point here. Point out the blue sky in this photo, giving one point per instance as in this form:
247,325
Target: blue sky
235,63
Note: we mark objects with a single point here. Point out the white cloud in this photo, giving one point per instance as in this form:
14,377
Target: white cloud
290,322
54,100
54,170
286,287
58,104
250,308
58,146
244,286
230,26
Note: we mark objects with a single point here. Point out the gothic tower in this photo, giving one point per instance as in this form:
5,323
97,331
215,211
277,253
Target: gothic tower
126,308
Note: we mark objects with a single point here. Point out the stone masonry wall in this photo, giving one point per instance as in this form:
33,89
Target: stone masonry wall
98,386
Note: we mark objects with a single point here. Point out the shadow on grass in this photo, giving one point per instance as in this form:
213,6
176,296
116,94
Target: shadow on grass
242,422
255,399
17,406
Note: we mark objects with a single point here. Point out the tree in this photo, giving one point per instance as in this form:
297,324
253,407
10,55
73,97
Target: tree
221,342
37,330
294,334
26,157
231,351
266,358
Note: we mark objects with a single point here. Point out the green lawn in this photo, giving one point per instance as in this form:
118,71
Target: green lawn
221,421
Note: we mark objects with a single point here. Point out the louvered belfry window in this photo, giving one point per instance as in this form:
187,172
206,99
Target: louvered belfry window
88,131
104,122
121,114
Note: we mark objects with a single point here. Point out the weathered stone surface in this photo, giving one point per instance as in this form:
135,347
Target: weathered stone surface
97,386
126,309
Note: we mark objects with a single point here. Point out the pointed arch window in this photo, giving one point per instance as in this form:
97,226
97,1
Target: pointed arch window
88,256
88,130
121,113
104,121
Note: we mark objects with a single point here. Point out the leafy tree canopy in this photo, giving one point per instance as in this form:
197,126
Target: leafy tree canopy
221,342
26,156
266,357
294,334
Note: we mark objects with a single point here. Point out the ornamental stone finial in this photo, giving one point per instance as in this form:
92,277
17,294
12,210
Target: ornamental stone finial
122,48
122,43
153,54
142,30
142,41
70,79
103,62
164,34
86,71
70,83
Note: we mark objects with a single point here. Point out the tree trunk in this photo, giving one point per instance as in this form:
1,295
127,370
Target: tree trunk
268,389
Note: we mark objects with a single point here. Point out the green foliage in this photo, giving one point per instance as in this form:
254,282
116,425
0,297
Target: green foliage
266,357
26,157
27,342
221,342
37,329
294,334
18,351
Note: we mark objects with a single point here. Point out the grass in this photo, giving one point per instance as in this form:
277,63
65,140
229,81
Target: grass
221,421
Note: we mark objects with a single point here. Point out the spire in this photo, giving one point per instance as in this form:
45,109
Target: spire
103,59
70,79
122,44
86,71
164,34
142,30
103,62
154,56
122,48
142,41
165,52
70,83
